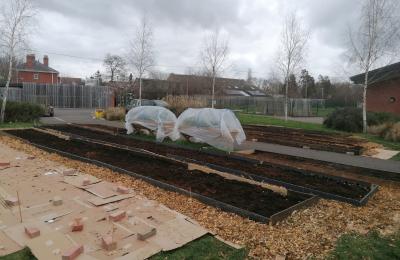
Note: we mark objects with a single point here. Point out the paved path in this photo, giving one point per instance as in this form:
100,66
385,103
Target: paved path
352,160
77,116
311,119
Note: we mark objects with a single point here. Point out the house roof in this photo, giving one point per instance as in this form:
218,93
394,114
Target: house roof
388,72
236,93
37,67
256,93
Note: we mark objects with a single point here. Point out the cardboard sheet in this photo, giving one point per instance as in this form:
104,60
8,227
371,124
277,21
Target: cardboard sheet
142,252
102,189
77,180
51,246
17,232
176,233
99,201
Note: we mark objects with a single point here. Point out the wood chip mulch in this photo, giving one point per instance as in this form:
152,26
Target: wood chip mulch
311,232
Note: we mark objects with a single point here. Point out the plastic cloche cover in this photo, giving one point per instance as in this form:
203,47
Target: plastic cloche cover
217,127
155,118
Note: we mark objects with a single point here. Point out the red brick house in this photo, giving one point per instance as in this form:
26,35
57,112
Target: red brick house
33,71
383,94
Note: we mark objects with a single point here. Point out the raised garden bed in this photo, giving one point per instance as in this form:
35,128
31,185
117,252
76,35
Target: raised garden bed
248,200
316,140
331,187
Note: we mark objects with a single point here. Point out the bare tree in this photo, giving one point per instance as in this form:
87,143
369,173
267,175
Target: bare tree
15,17
115,65
142,55
375,41
213,56
294,39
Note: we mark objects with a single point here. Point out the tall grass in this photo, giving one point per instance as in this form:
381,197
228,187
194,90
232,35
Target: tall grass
115,113
178,104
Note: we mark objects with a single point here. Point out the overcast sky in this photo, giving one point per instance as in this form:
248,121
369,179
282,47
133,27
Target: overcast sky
90,29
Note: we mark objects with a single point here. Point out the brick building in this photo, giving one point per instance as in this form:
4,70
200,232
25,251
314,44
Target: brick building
33,71
383,94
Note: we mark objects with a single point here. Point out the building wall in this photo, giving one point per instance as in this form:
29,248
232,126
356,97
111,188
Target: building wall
378,97
44,78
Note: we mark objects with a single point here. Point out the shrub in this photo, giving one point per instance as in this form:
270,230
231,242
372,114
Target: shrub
350,120
178,104
22,112
393,134
115,113
380,129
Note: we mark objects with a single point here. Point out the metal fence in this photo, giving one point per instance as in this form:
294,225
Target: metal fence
298,107
63,96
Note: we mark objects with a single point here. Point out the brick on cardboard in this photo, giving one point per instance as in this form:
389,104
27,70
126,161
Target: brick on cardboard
146,233
32,232
123,189
11,201
77,225
57,201
72,253
86,181
108,243
69,172
117,216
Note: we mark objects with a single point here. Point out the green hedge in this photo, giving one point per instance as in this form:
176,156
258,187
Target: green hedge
22,112
350,119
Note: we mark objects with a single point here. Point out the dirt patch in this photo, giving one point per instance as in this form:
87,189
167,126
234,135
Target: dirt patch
306,233
242,195
285,174
316,140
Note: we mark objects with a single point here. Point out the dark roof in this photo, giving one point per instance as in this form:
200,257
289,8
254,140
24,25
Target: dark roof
256,93
37,67
235,93
388,72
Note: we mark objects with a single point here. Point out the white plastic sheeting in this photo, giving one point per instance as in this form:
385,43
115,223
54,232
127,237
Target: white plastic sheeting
158,119
217,127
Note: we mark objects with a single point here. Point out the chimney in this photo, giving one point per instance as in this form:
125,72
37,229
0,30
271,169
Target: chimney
46,60
30,60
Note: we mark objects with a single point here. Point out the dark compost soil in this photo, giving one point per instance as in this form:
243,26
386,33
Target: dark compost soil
316,140
274,171
242,195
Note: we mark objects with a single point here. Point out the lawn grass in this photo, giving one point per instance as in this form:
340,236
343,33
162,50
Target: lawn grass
371,246
322,112
268,120
24,254
247,119
206,247
18,125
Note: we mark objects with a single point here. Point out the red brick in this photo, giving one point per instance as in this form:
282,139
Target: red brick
32,232
122,189
77,225
72,253
11,201
379,94
4,164
85,182
108,243
146,233
118,215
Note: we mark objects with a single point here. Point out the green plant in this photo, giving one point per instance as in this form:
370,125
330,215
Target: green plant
370,246
23,112
350,119
115,113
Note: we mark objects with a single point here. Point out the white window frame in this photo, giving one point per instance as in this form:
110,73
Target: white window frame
36,76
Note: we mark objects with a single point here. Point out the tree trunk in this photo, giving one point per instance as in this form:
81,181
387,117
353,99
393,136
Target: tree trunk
286,97
140,90
364,108
5,94
213,89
